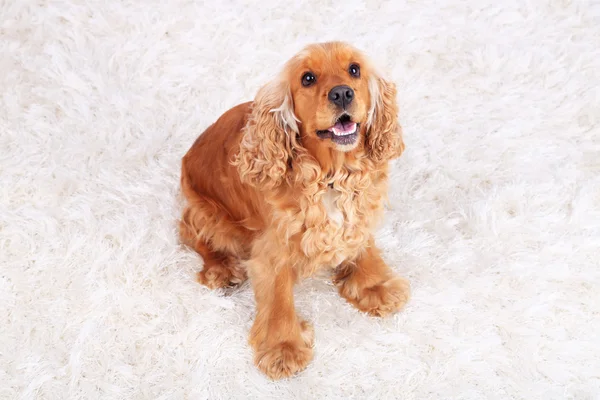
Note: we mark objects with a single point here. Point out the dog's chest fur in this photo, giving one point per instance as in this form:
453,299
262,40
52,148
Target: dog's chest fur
329,201
338,224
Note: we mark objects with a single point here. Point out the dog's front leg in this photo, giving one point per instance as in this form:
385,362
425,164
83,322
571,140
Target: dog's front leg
370,285
282,342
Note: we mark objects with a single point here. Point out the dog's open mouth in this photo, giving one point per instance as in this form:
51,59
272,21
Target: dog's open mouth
344,132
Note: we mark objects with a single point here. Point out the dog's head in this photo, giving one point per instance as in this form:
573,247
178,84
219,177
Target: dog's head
328,98
329,86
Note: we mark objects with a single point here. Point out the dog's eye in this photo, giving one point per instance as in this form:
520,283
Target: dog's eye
308,79
354,70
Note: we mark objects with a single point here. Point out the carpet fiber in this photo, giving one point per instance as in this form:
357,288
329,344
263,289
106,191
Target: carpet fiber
494,215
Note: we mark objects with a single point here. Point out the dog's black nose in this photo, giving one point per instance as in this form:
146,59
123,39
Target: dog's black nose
341,96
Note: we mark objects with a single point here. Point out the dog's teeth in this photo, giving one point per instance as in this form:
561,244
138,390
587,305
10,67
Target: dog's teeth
338,133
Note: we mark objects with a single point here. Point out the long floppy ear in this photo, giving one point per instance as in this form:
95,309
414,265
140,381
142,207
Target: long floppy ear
384,134
269,138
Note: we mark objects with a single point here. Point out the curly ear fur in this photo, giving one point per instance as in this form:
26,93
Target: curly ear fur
269,138
384,134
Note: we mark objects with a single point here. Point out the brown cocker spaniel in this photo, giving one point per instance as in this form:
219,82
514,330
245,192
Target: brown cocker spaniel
294,183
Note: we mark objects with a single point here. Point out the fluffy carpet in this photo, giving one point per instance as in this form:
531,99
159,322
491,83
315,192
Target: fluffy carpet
494,216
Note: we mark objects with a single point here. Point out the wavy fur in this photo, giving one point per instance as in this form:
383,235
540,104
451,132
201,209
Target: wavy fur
384,138
269,138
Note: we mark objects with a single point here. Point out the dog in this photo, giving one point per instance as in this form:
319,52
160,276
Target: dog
293,184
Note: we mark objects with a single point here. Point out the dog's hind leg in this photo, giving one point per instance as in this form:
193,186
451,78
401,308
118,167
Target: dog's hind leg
207,230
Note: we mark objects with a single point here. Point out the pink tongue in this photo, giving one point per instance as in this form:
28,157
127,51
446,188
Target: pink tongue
347,127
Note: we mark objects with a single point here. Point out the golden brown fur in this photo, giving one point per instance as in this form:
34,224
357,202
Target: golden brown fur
257,181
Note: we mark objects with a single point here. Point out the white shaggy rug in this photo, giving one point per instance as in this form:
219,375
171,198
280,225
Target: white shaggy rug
495,213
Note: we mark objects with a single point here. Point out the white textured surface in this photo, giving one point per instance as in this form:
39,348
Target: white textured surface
496,202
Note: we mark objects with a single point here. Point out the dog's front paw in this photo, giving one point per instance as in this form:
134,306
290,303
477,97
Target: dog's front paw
379,300
286,358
